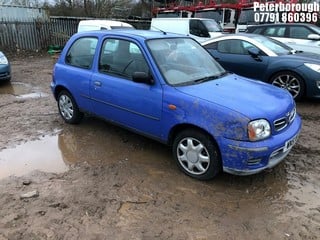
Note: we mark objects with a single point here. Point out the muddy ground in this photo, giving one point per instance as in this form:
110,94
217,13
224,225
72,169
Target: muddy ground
97,181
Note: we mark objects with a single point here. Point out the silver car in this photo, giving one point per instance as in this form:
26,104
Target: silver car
299,36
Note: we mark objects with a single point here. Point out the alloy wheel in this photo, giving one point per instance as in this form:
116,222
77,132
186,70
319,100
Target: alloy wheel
66,107
288,82
193,156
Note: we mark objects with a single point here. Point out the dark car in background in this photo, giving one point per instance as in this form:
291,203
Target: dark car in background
5,69
262,58
299,36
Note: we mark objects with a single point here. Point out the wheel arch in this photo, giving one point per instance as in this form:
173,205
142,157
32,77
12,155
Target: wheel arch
181,127
58,89
179,132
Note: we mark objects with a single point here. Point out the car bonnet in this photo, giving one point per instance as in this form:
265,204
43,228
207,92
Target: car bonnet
304,57
253,99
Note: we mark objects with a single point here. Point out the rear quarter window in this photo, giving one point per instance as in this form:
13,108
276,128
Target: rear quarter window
82,52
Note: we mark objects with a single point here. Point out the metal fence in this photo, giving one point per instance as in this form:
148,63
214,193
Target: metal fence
38,34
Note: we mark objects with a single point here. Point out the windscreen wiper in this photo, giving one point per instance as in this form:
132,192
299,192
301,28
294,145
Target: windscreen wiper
209,78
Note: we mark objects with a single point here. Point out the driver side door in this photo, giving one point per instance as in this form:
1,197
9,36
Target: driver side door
116,97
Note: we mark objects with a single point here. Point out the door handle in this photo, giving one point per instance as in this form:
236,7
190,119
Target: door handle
97,83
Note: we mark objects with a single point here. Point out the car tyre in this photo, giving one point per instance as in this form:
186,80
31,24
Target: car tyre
289,81
68,108
196,154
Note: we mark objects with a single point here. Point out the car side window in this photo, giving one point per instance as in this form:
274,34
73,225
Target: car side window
299,32
275,31
232,46
246,46
121,58
213,46
81,53
257,30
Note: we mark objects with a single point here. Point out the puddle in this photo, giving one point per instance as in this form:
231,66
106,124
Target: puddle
41,155
32,95
97,142
93,142
21,90
15,88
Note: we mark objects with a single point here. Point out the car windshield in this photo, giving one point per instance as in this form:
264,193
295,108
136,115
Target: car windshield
316,29
182,61
277,47
212,25
211,14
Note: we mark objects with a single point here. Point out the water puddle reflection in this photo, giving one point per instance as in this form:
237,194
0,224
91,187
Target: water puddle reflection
33,95
93,142
15,88
41,155
21,90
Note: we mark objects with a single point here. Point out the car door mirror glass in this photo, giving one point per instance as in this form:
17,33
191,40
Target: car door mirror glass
142,77
314,37
253,51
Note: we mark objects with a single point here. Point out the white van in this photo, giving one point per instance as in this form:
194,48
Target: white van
90,25
201,29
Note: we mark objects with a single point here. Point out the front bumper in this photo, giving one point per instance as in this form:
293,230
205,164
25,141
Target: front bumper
312,81
5,72
246,158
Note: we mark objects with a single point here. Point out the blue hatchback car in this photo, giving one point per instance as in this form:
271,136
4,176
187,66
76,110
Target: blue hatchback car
168,87
5,69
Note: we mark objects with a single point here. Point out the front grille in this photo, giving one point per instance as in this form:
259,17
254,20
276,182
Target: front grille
292,115
283,122
280,124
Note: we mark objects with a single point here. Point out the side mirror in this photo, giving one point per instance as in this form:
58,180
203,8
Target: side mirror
314,37
142,77
254,52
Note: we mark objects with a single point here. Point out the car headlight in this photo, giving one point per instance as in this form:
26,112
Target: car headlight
3,60
314,67
258,129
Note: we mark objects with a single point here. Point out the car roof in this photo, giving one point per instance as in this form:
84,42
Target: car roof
98,21
134,33
281,24
244,36
249,37
183,19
